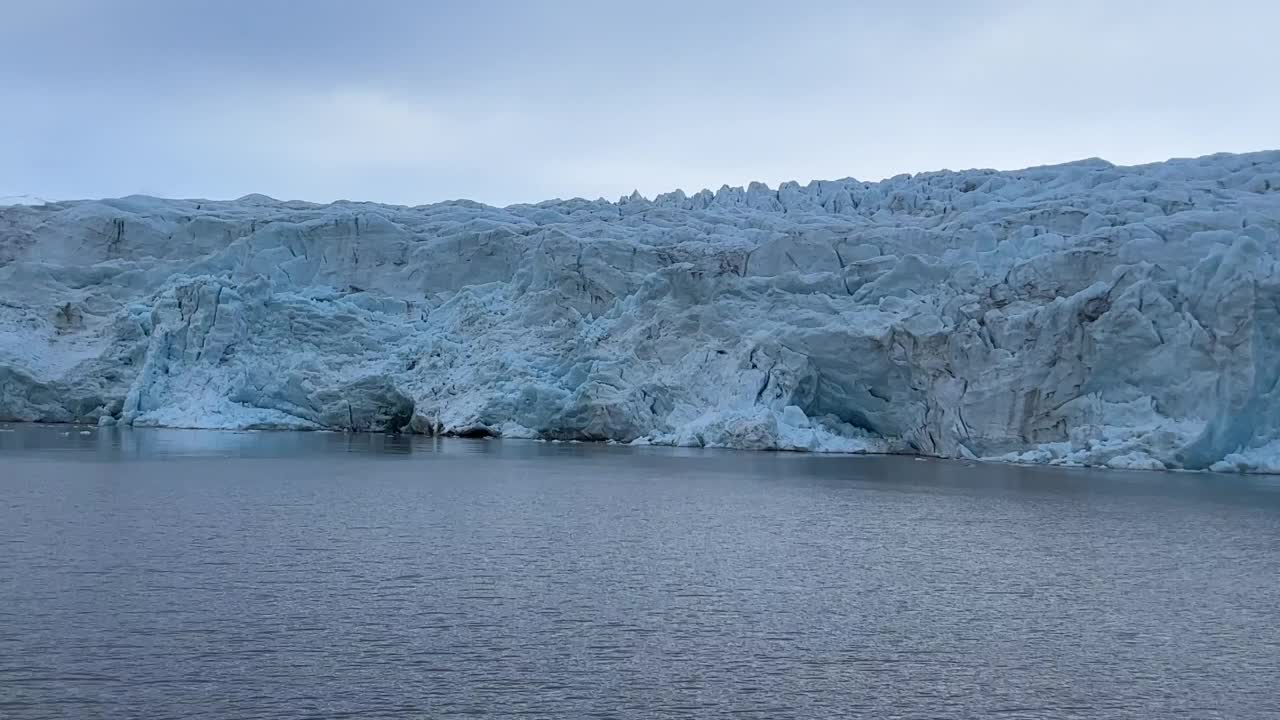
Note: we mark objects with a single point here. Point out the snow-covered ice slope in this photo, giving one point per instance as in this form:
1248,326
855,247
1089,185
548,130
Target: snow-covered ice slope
21,200
1082,313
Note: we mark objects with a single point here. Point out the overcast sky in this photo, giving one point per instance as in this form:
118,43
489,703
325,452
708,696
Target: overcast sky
413,101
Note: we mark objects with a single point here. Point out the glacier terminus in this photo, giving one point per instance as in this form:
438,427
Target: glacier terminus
1079,314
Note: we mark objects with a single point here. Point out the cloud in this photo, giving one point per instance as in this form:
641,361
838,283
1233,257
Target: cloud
511,102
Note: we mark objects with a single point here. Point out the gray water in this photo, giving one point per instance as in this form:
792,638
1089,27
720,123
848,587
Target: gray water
180,574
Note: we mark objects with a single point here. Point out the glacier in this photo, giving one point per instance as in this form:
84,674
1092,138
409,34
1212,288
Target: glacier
1078,314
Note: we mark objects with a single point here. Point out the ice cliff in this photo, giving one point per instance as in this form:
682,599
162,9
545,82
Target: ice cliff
1076,314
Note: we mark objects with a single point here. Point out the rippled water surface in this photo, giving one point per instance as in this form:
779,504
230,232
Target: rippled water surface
182,574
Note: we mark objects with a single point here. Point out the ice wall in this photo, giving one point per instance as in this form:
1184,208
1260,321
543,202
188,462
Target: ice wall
1082,313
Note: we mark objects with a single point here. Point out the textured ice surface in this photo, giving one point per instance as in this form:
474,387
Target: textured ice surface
1077,314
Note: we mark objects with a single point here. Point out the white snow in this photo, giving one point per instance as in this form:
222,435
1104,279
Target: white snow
21,200
1082,314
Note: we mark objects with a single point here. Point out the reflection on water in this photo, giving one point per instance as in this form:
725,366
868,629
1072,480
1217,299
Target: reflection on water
169,573
113,444
125,443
